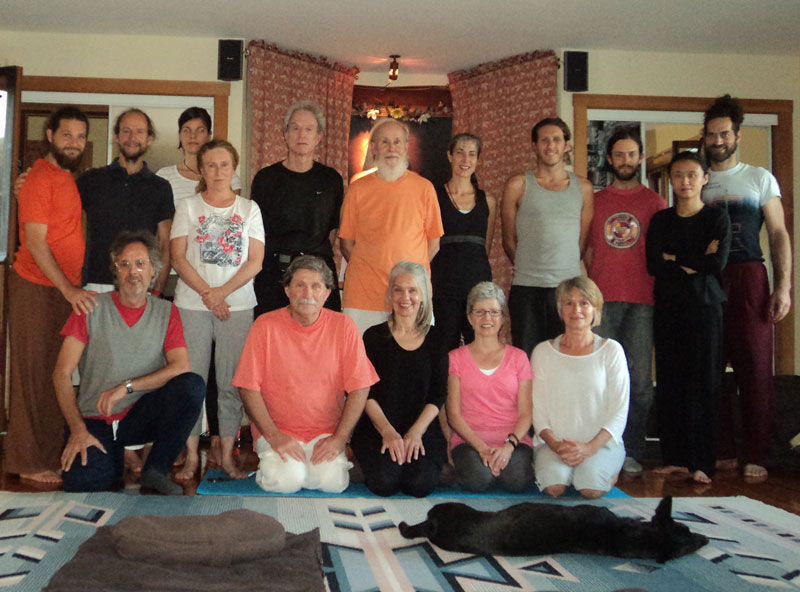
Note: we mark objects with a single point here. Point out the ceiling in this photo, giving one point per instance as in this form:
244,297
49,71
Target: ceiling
435,37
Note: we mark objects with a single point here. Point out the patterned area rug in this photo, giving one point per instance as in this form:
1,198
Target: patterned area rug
753,546
216,482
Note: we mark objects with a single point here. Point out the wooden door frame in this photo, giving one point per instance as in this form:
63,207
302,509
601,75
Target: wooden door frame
782,167
12,132
219,91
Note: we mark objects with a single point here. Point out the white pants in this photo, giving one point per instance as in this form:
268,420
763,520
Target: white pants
292,475
596,472
365,319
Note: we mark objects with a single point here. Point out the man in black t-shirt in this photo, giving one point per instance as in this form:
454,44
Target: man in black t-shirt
300,200
125,195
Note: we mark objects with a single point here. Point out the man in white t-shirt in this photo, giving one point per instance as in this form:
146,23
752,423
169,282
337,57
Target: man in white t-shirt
751,197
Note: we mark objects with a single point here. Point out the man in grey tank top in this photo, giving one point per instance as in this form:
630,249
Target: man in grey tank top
546,215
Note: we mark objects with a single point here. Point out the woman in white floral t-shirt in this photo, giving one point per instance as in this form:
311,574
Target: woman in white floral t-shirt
217,247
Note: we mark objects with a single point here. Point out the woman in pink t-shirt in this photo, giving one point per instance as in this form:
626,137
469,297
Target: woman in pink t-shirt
489,401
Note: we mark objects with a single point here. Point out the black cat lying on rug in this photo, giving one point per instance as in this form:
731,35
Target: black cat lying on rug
544,529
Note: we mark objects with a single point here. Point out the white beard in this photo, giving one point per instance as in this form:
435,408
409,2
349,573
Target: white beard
392,173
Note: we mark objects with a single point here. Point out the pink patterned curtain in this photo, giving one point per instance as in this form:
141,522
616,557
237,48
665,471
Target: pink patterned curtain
276,78
500,102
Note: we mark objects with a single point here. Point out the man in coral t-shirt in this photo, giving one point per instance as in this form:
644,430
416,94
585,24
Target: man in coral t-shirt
615,259
388,216
42,292
304,377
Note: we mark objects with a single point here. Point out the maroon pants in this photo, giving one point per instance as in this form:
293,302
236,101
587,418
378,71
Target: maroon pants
748,346
35,425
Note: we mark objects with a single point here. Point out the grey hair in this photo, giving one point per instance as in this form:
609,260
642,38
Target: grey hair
128,237
309,106
586,287
425,313
311,263
490,291
487,291
381,122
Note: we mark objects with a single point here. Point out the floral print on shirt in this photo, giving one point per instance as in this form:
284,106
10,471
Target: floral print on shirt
220,239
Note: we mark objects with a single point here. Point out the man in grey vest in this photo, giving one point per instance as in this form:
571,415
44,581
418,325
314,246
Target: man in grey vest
135,381
546,215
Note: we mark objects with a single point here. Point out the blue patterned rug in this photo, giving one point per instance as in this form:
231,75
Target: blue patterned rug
753,546
216,482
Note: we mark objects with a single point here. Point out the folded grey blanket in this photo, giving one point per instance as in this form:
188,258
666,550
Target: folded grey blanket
224,539
295,567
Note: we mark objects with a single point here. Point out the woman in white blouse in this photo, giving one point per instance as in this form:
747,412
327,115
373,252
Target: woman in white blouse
194,131
217,247
580,399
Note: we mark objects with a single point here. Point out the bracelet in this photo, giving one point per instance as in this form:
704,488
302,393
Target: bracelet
514,437
510,441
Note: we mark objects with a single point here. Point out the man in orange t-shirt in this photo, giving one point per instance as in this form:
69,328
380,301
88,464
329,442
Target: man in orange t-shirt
304,377
387,216
42,293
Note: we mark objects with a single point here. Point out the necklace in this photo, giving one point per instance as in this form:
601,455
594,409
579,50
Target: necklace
452,198
190,168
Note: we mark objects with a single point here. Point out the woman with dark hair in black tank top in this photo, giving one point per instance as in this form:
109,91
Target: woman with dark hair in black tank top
468,216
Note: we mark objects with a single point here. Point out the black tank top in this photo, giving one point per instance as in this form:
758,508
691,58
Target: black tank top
461,261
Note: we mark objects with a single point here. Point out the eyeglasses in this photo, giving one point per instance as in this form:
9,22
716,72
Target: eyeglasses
479,312
138,264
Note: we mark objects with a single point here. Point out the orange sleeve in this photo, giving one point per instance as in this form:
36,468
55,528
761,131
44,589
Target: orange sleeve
347,225
35,200
433,216
251,363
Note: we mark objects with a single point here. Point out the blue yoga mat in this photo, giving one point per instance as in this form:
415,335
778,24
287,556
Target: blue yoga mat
249,487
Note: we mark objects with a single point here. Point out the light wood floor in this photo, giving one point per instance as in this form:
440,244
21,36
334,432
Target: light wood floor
781,489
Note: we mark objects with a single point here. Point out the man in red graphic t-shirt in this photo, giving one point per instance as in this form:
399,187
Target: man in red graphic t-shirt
615,259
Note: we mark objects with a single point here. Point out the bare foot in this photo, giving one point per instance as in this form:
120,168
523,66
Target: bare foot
133,461
701,477
215,460
189,469
46,477
727,464
752,471
669,470
233,470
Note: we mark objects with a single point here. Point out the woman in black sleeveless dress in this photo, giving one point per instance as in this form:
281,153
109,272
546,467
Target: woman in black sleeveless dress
468,216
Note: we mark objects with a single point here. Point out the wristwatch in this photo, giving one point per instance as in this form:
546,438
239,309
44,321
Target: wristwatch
129,385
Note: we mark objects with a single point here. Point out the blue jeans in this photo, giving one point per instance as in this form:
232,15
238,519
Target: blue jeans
164,416
631,324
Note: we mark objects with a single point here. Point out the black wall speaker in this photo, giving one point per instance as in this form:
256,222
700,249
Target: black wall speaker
576,71
229,66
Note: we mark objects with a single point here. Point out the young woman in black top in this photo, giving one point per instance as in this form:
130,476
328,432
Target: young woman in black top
687,247
468,217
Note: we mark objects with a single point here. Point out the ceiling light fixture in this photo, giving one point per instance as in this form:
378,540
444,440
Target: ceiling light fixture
394,67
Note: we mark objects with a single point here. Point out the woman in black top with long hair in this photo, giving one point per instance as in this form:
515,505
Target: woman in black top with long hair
468,217
398,440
